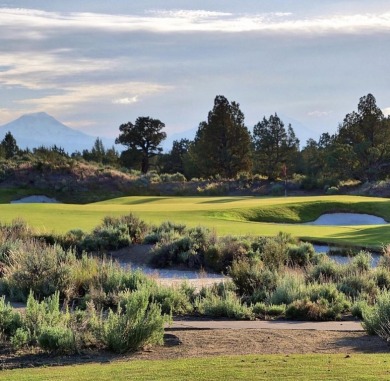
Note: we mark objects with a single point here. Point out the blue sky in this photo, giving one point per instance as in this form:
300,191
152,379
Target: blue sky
96,64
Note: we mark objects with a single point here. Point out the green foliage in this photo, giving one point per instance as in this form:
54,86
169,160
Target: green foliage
251,276
137,324
275,146
289,288
20,339
226,305
222,144
10,321
57,339
38,267
301,254
264,311
274,252
376,319
143,138
179,246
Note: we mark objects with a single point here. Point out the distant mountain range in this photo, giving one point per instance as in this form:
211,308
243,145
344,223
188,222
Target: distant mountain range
40,129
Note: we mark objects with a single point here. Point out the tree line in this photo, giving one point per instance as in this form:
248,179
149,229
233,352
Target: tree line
224,146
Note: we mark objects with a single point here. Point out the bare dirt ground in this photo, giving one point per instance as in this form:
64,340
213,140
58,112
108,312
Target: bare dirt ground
209,342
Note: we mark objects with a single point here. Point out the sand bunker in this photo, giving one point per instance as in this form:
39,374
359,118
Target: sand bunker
39,199
348,219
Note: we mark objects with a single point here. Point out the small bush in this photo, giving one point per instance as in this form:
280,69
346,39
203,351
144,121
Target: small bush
320,309
251,276
135,325
274,252
289,288
20,338
325,271
332,190
382,277
228,305
358,309
265,311
376,319
10,320
57,339
301,255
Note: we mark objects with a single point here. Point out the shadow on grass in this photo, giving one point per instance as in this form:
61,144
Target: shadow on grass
15,360
145,200
222,201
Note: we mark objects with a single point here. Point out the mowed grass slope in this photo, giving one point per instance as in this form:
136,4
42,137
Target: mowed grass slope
227,215
253,367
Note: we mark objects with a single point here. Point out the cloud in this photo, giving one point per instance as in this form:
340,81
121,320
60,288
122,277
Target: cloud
99,93
190,20
319,114
386,111
126,101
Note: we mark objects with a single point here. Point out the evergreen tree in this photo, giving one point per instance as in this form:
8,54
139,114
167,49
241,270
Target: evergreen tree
9,146
142,139
275,147
222,144
173,161
364,137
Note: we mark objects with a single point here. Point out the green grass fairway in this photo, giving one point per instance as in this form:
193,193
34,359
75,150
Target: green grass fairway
228,215
254,367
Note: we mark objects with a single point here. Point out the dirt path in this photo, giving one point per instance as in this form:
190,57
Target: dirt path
199,324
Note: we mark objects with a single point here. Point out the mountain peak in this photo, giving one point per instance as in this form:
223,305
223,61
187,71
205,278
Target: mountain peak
41,129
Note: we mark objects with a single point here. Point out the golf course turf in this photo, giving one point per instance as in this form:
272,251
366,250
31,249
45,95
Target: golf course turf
227,215
252,367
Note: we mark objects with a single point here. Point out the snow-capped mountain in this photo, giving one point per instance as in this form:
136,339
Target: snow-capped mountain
40,129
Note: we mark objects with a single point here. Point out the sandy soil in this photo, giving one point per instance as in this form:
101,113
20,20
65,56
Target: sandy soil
348,219
206,343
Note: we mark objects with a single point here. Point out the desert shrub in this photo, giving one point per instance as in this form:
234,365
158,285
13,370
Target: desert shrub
265,311
319,301
228,305
20,338
16,230
186,248
384,261
354,285
332,190
42,314
173,300
175,177
38,267
382,277
213,189
289,287
153,177
167,231
251,277
100,281
361,262
321,309
115,233
57,339
277,189
358,308
10,320
225,251
274,252
325,271
301,254
136,324
376,319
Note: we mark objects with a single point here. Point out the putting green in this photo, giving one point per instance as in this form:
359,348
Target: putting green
227,215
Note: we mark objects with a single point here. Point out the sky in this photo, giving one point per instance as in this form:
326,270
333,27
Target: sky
96,64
